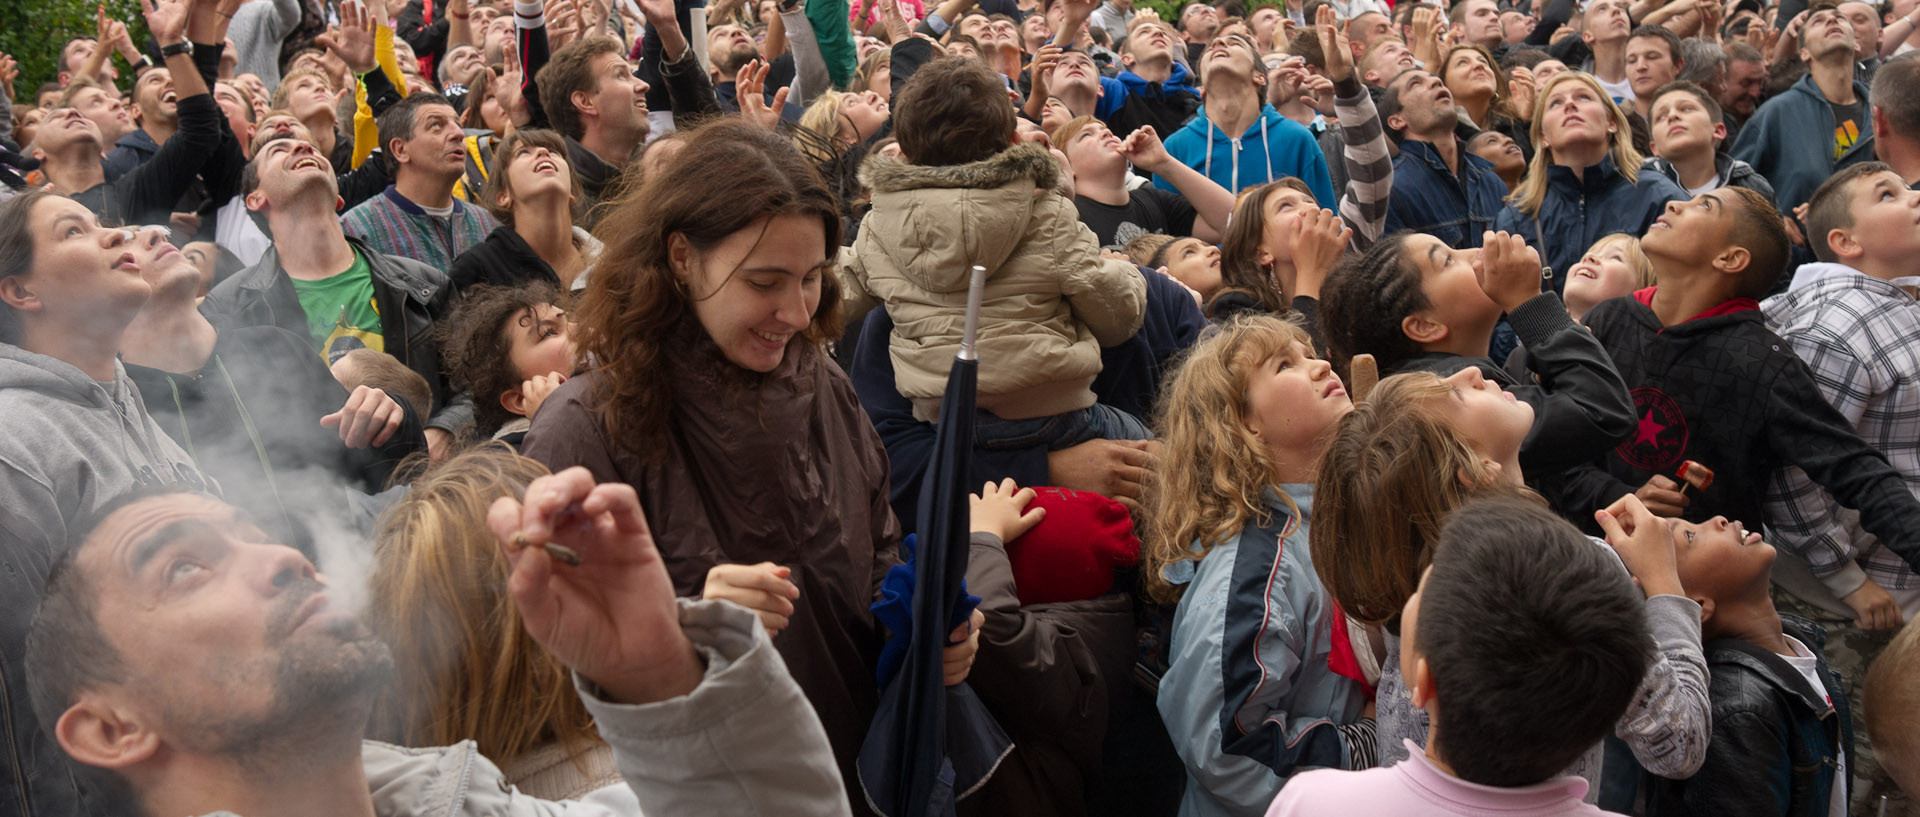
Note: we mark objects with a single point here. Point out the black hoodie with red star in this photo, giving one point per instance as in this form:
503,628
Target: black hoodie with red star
1724,391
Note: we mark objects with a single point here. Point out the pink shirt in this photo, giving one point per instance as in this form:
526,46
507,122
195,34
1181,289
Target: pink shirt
1416,786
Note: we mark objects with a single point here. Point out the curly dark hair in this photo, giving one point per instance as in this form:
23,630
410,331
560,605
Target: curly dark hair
475,344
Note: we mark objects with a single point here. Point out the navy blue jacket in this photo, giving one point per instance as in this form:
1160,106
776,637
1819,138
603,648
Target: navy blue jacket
1580,211
1129,380
1429,198
1775,741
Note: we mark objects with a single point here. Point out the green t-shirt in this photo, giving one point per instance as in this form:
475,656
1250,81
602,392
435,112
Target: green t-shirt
341,312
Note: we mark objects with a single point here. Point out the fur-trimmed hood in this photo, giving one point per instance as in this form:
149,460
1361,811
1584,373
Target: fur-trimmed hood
885,174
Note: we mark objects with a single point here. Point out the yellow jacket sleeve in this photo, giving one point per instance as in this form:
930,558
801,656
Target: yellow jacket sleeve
366,134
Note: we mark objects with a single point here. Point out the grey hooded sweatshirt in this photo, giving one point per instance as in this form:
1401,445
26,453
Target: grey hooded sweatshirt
72,444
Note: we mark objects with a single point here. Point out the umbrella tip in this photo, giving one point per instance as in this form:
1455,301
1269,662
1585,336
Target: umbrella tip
974,288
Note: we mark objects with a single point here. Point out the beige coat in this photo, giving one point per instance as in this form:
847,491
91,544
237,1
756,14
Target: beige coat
1051,300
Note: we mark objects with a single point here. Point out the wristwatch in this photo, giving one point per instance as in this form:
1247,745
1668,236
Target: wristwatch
182,47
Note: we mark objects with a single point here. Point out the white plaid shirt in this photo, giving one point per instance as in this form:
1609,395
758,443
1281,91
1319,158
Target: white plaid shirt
1861,337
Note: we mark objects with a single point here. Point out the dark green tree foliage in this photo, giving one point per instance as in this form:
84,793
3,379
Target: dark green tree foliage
34,30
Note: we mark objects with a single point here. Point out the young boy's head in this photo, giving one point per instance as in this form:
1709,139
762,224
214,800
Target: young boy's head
501,337
1614,267
1732,234
1686,121
1864,217
954,111
379,370
1524,642
1406,294
1892,708
1724,568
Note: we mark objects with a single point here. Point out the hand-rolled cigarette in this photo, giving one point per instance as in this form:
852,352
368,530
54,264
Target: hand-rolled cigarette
563,554
517,542
1696,475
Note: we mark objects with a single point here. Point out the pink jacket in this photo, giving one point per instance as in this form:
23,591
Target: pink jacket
1416,786
913,10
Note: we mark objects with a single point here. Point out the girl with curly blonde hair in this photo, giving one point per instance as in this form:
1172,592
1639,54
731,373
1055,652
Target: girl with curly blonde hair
1243,421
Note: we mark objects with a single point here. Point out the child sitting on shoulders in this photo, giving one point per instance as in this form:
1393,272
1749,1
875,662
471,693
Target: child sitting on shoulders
972,196
1417,305
1614,267
1413,452
1249,698
1524,644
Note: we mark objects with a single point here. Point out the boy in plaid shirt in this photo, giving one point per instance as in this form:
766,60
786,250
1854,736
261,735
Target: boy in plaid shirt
1859,332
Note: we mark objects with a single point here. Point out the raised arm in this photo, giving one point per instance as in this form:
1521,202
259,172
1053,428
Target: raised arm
148,192
810,77
1364,152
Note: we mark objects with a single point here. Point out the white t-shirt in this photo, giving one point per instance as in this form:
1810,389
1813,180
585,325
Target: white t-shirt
1804,660
1715,184
1622,92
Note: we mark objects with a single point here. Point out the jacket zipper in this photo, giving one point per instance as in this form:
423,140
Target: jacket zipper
13,746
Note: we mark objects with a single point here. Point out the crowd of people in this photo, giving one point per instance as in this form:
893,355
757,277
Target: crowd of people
1384,408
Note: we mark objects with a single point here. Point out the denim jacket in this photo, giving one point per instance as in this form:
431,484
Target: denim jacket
1429,198
1776,743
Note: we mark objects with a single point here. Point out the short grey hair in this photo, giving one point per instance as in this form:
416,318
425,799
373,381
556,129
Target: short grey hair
1701,61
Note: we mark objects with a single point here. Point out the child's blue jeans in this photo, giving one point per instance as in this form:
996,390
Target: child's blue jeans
1096,422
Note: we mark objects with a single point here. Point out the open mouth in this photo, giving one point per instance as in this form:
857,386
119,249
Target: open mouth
127,262
1584,273
169,97
546,166
306,162
1661,222
769,338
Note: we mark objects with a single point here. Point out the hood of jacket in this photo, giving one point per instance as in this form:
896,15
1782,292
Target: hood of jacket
61,415
1179,81
1814,272
984,208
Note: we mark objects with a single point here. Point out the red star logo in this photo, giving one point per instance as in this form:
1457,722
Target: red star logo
1649,431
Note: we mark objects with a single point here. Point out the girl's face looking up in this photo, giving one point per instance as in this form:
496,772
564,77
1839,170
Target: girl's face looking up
1490,419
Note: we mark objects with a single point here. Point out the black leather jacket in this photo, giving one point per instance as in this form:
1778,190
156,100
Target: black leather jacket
1775,740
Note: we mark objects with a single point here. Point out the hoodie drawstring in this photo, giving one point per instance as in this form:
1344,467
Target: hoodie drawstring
1266,151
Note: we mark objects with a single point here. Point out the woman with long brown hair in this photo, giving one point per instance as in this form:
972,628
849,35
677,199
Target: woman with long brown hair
708,391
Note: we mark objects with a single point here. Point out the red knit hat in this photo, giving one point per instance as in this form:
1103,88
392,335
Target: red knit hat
1071,554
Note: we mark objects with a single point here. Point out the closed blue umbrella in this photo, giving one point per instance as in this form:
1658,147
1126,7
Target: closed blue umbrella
931,744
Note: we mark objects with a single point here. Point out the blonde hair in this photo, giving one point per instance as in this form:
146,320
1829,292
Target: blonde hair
1394,471
1213,472
465,667
863,74
1533,186
1636,257
1069,129
822,119
1892,696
